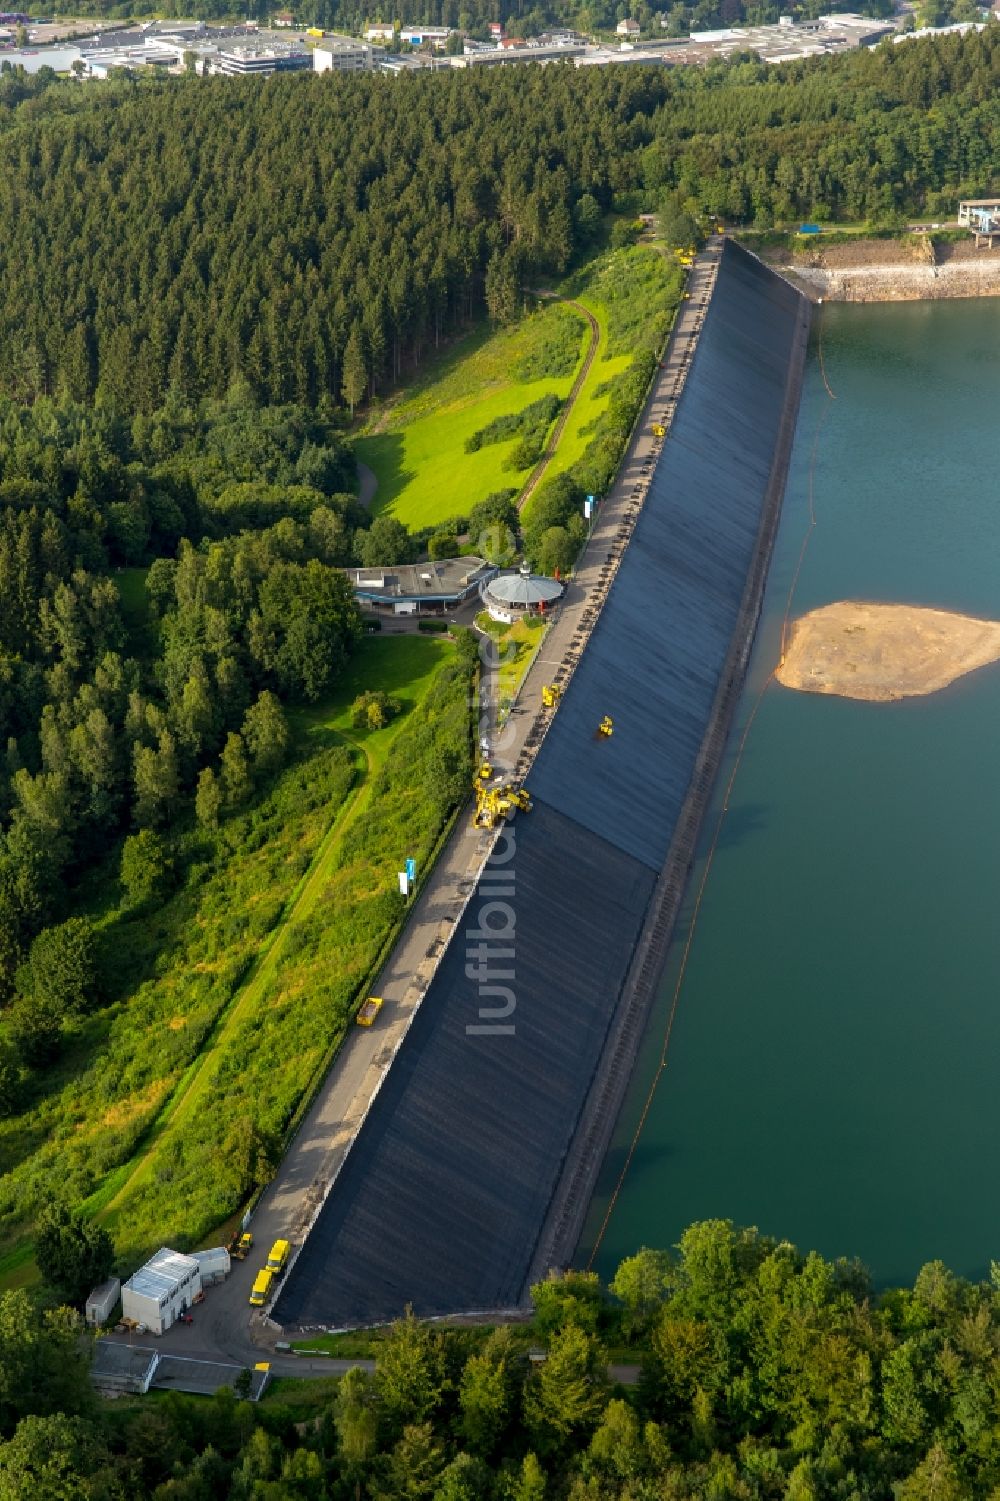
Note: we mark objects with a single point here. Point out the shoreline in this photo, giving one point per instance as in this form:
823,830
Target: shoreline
882,271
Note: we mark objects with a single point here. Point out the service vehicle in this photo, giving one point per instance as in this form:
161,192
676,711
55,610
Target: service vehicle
261,1290
277,1257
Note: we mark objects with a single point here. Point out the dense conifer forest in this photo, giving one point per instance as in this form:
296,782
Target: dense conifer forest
313,238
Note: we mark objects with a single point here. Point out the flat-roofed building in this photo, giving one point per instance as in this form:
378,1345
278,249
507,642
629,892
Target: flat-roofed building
341,54
160,1291
262,58
420,588
117,1369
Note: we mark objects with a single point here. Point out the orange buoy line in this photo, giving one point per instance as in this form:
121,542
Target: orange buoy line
703,883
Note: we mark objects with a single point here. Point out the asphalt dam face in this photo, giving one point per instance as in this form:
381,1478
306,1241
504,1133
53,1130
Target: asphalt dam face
831,1072
440,1202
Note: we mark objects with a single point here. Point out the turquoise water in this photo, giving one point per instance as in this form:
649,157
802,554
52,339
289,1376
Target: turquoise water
834,1060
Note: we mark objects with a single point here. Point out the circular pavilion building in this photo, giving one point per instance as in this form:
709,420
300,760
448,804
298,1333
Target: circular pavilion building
509,596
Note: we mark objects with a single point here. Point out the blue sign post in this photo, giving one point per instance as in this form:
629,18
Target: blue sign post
411,870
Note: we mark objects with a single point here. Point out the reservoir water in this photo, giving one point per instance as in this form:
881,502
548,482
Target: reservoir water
834,1058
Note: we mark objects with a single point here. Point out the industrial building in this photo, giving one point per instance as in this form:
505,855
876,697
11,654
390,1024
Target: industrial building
258,59
982,217
510,596
160,1291
486,57
341,54
417,35
419,588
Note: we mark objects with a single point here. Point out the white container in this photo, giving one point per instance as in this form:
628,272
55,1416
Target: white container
102,1301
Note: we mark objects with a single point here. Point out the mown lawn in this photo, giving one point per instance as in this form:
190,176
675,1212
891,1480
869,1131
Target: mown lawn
592,399
228,996
418,452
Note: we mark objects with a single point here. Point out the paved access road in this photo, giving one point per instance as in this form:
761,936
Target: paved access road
226,1327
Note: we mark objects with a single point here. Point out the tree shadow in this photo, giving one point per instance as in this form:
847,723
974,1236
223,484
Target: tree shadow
383,453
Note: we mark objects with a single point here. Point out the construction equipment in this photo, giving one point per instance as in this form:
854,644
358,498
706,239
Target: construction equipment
519,797
240,1246
606,728
492,807
551,694
658,430
261,1290
369,1011
277,1257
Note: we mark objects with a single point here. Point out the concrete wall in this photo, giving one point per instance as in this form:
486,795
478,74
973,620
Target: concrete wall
471,1145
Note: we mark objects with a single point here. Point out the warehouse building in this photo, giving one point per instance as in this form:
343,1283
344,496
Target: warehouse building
159,1292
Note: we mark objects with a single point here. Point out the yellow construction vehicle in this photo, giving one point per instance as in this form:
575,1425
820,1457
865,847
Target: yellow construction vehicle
519,797
658,430
606,727
240,1246
369,1011
492,807
551,694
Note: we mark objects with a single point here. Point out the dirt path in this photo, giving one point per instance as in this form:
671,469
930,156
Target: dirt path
538,473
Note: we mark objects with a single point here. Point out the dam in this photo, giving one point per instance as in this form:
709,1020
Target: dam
467,1177
831,1072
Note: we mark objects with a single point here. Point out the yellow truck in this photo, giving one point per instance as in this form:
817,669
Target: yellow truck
261,1290
277,1257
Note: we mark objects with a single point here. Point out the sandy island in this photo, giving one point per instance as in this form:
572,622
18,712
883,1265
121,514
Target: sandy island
884,652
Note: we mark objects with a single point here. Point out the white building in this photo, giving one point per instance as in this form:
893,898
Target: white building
628,28
165,1287
342,54
261,60
509,596
380,33
213,1264
61,59
103,1301
417,35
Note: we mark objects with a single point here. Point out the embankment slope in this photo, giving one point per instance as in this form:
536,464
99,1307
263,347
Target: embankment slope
442,1200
